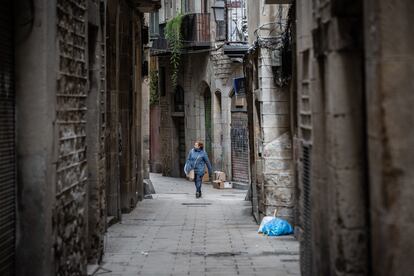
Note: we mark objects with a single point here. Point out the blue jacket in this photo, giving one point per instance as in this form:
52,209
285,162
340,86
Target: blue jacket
197,159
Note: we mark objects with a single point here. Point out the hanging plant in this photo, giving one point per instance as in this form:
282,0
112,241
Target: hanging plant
174,38
154,95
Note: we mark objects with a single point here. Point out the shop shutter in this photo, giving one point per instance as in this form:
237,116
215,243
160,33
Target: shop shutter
240,147
306,241
7,142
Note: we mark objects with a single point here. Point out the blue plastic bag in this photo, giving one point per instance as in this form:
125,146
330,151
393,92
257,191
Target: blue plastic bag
277,227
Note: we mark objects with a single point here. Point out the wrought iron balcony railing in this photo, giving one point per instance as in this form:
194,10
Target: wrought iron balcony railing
146,5
195,30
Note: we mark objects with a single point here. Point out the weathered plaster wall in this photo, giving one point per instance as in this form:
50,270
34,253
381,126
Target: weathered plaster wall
333,216
95,131
389,98
112,147
35,56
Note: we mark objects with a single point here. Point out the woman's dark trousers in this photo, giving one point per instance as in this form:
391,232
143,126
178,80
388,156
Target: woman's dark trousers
198,179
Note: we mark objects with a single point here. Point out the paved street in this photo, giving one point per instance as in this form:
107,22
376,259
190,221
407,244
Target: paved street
176,234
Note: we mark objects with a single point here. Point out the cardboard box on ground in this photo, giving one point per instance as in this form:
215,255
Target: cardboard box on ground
220,181
217,175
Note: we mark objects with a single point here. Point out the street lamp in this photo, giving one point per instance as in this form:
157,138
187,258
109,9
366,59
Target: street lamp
218,10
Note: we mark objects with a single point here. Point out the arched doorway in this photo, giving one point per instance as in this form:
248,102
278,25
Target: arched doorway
207,122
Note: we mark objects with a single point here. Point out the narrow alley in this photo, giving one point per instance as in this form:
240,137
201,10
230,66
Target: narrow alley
294,116
176,234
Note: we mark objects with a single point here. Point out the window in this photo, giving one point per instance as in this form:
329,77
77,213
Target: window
154,25
220,30
236,20
179,99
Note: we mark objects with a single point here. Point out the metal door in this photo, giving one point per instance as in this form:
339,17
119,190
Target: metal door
306,240
7,142
240,147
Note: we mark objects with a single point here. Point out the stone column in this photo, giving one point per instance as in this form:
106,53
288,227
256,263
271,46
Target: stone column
277,190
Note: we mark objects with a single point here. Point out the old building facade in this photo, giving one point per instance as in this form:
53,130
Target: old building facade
71,137
338,117
268,90
353,157
199,107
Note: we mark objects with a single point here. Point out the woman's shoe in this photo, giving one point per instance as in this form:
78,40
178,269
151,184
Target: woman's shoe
197,195
200,194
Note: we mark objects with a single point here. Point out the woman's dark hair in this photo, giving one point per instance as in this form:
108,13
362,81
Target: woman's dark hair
200,144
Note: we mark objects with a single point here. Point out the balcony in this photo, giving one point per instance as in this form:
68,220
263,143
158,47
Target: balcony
195,28
159,46
146,6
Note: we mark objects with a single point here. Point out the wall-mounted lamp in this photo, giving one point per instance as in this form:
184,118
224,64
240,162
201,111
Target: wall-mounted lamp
218,10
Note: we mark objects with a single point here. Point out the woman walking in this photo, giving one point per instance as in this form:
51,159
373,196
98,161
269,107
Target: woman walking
197,160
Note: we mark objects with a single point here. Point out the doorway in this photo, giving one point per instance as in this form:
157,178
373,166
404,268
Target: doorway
240,147
207,122
179,124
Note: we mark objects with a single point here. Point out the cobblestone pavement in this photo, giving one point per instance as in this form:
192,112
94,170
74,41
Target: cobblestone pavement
177,234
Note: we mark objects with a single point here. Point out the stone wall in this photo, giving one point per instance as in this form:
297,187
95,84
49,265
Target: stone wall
269,108
333,222
69,220
389,99
277,188
70,127
215,73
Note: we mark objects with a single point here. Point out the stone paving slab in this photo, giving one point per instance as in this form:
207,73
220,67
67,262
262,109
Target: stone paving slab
176,234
